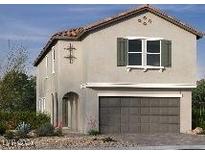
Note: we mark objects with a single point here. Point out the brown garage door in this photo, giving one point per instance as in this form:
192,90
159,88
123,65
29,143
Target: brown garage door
138,115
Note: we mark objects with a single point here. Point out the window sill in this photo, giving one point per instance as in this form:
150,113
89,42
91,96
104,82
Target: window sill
145,68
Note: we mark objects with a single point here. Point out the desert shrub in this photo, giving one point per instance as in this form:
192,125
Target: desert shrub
12,119
23,129
58,132
2,129
108,139
46,129
9,135
93,132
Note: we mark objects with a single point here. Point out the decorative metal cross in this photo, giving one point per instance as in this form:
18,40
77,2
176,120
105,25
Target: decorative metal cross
70,56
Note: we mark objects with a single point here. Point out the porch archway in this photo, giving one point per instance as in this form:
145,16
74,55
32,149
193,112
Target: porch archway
70,110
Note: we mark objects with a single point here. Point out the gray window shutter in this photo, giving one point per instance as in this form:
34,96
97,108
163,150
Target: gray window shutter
122,49
166,51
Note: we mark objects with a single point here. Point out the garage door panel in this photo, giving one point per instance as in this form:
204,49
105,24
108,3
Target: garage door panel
169,102
139,115
154,127
135,128
145,102
110,102
124,127
134,119
154,110
154,119
110,129
111,110
145,119
154,102
145,110
134,111
172,111
134,102
173,102
173,120
145,128
163,128
110,120
163,111
173,128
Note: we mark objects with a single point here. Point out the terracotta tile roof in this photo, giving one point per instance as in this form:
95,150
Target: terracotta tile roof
78,34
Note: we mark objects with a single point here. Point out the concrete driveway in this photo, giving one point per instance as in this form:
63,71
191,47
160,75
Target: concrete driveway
165,141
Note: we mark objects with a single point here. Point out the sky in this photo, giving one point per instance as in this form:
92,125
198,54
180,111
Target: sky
33,25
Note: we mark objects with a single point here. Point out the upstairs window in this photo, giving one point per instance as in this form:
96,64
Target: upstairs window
53,59
46,66
144,53
135,52
153,53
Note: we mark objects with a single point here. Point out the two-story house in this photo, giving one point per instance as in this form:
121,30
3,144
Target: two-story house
131,73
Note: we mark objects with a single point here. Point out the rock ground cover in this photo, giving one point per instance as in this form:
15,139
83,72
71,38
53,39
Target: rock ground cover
128,141
68,142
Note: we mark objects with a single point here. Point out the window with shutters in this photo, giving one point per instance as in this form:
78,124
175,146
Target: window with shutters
153,53
145,53
135,52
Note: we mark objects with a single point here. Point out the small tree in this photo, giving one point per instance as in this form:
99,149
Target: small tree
17,89
17,92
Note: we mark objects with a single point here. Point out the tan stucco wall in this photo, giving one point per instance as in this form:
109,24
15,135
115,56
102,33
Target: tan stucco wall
92,103
186,112
97,62
47,84
70,77
101,53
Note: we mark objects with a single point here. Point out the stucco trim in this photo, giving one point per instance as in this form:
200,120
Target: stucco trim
139,95
133,85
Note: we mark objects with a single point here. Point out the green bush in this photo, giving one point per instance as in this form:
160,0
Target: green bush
198,117
12,119
198,105
46,129
2,129
9,135
93,132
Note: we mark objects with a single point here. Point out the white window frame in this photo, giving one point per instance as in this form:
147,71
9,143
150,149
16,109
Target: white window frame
144,53
39,104
149,53
142,61
53,60
46,65
43,104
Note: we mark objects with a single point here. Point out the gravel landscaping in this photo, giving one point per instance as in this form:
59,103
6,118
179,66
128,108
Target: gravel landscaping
71,141
128,141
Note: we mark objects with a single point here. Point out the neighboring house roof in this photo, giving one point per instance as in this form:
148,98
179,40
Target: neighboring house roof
77,34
